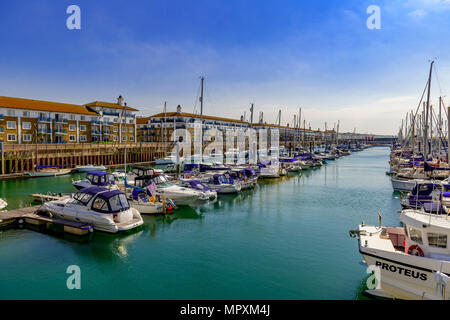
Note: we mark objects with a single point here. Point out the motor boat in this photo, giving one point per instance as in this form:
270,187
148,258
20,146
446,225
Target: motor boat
267,171
198,185
413,261
247,177
49,171
290,164
105,209
146,203
89,167
222,183
96,178
424,195
167,189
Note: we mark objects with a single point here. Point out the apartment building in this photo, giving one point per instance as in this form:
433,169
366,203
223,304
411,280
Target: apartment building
159,126
36,121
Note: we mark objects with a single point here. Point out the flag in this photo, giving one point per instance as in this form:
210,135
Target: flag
152,189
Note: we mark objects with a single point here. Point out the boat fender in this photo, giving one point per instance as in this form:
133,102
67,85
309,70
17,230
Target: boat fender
415,250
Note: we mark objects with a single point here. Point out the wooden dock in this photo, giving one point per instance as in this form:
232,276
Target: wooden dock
29,216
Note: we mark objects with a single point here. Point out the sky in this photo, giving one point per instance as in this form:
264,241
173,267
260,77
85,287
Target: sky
278,54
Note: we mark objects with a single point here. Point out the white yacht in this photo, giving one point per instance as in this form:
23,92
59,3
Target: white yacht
414,260
168,190
90,167
106,210
96,178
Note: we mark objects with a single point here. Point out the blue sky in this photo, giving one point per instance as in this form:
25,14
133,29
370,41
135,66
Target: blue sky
284,54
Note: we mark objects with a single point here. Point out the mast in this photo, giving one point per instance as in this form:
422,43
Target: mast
251,115
426,112
202,80
163,128
126,136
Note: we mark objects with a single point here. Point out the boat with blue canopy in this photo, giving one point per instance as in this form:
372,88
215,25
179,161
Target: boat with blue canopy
106,210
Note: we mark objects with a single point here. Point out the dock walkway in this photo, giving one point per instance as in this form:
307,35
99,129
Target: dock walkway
28,215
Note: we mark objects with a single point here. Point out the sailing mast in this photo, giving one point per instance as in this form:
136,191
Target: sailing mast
426,112
202,80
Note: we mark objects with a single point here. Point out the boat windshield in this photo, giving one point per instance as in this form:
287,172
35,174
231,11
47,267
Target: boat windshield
82,198
162,182
116,203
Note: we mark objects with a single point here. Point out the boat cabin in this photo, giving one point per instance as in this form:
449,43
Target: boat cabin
143,171
102,200
194,184
100,178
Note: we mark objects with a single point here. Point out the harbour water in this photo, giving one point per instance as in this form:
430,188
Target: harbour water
287,239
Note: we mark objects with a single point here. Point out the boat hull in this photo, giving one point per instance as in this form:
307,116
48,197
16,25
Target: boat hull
402,185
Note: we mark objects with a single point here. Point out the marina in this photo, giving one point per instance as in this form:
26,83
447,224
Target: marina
254,224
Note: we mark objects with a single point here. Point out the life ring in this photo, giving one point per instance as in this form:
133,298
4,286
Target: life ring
415,250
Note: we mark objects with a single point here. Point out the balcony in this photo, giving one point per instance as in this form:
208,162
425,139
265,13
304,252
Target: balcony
60,131
95,132
111,113
61,120
108,123
95,122
42,130
43,119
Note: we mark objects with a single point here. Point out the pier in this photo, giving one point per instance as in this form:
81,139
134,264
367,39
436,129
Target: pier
28,216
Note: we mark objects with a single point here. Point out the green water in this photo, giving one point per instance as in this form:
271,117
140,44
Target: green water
287,239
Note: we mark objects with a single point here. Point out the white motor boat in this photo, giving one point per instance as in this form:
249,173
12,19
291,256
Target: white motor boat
402,184
145,203
198,185
96,178
167,190
3,204
221,183
106,210
410,262
90,167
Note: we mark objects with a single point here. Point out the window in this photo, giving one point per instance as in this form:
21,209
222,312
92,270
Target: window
82,127
83,138
437,240
26,137
415,235
83,198
26,125
124,138
72,138
115,138
11,137
119,203
131,121
11,113
131,130
124,129
82,118
72,127
131,138
115,129
116,120
100,205
26,114
11,125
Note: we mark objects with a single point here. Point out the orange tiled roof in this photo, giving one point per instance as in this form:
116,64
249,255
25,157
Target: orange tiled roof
108,105
142,120
39,105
